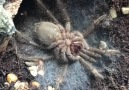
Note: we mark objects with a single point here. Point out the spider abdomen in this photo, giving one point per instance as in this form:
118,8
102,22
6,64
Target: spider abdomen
47,32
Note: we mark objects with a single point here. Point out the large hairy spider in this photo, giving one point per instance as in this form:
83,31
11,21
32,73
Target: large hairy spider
67,45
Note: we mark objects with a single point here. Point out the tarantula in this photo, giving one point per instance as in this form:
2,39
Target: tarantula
68,46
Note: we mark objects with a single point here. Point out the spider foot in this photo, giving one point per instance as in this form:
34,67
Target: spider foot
96,22
103,50
60,78
87,57
108,52
111,52
34,64
91,68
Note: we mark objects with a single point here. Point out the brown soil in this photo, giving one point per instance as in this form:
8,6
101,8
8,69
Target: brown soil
119,36
10,63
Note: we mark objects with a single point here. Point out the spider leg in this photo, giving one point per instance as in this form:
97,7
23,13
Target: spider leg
32,61
27,40
35,64
34,58
57,51
90,67
92,54
47,11
81,38
70,56
95,23
86,46
106,52
110,52
85,56
63,55
65,15
78,39
60,78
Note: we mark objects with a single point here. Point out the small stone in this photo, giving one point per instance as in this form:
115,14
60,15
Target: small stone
49,88
33,70
113,13
41,72
21,86
102,45
11,78
125,10
35,84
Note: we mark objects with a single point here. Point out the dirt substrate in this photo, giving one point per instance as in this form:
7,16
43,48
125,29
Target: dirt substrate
115,69
10,63
118,33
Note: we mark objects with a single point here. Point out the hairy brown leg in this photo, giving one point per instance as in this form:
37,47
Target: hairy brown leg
29,59
64,14
106,52
61,76
27,40
47,11
91,68
92,54
63,55
90,29
86,57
